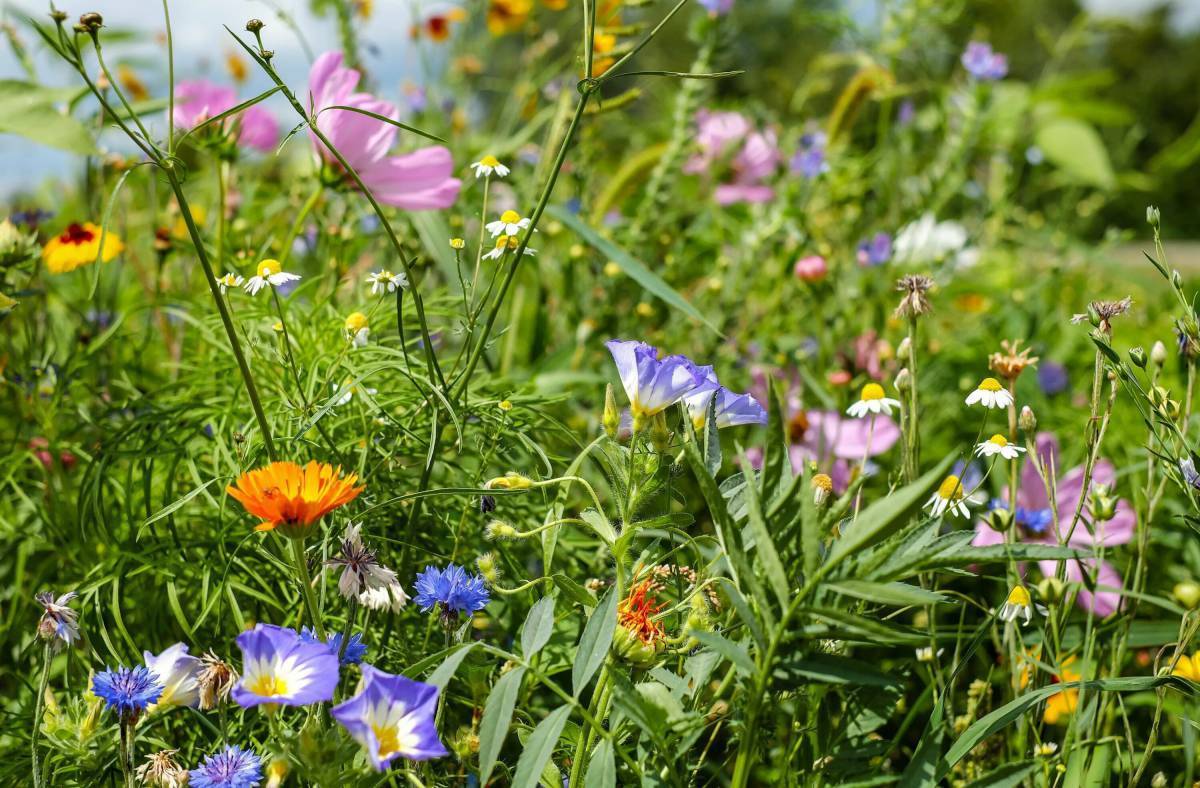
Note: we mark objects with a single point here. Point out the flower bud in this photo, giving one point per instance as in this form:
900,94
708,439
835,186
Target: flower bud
1153,216
1188,593
255,25
1158,354
1051,590
58,16
457,243
1104,504
1138,356
904,349
660,434
612,414
628,646
498,530
91,21
509,481
903,381
999,519
1093,315
822,487
1159,780
488,568
1027,421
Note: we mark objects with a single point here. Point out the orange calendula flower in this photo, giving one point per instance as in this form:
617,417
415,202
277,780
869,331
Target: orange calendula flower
79,245
1062,704
603,44
507,16
287,496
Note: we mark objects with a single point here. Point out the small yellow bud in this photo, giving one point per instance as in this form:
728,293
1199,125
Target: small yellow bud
457,243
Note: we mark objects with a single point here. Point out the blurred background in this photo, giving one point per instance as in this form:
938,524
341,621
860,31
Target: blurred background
1128,69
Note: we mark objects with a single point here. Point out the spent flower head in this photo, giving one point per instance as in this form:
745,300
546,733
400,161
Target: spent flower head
915,301
1011,360
161,770
58,622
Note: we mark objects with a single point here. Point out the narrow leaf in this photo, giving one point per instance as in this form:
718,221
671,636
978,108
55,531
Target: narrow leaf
539,625
593,644
539,747
497,716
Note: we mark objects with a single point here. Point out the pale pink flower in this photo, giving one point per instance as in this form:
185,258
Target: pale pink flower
1035,524
198,100
811,269
421,180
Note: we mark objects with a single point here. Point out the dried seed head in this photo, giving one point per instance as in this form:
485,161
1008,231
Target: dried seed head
216,680
914,302
162,770
91,21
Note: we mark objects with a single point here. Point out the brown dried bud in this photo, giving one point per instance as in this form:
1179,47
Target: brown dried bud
91,21
255,25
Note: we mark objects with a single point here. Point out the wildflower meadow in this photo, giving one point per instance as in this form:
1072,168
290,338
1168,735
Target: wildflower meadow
598,393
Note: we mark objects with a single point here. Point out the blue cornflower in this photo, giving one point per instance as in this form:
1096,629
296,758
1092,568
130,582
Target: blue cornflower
232,767
1036,521
452,588
984,64
128,691
355,648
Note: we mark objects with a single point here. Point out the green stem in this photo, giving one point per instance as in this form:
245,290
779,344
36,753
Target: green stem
286,251
127,737
38,704
310,601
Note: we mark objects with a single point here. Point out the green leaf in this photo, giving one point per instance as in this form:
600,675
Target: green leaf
573,589
764,545
539,747
600,525
595,641
1076,149
899,594
635,270
1010,775
828,669
441,677
887,514
539,625
28,110
602,767
497,716
175,506
734,652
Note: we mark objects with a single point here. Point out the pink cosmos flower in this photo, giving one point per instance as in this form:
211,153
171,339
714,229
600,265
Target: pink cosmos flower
198,100
1035,523
811,269
757,158
421,180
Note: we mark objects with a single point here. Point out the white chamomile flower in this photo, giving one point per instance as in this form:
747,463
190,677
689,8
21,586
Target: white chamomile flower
489,165
1018,605
505,244
357,329
1045,750
998,444
926,654
347,390
873,401
509,223
269,272
990,394
230,280
950,496
386,280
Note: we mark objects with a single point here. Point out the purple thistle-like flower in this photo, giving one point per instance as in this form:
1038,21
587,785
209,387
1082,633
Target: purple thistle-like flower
392,717
355,648
652,384
279,666
982,63
232,767
452,588
58,621
732,409
127,691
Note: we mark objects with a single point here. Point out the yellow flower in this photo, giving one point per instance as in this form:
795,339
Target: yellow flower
1187,667
507,16
356,329
1062,704
132,83
602,45
457,243
364,8
79,245
236,67
505,405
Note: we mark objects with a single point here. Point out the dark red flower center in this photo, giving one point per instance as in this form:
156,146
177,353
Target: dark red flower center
76,234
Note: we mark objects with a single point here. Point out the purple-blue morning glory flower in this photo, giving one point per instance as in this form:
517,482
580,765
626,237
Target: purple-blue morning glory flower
652,384
392,718
127,691
876,250
355,648
732,410
1052,377
232,767
279,666
982,63
452,588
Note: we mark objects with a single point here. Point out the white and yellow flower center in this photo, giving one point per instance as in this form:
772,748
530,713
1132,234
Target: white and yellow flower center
998,440
355,322
951,489
268,685
990,384
510,217
1019,596
490,161
872,391
268,268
